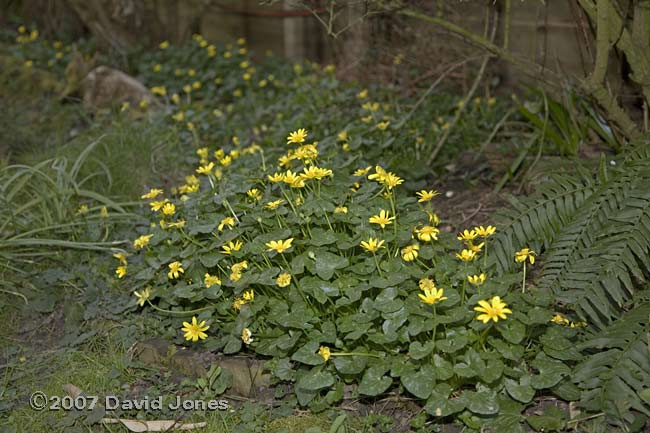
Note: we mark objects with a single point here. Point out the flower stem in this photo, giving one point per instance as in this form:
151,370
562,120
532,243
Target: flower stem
374,256
523,281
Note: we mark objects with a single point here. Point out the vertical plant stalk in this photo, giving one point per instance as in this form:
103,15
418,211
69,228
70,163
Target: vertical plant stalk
523,280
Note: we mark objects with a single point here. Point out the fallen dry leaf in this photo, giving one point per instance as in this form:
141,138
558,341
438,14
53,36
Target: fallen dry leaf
145,426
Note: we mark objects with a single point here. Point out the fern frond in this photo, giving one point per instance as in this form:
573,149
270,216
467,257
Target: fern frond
618,367
537,221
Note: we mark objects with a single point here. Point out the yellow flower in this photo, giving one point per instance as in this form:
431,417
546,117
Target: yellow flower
560,319
176,99
391,180
475,248
191,73
494,309
578,324
169,209
143,297
163,45
485,232
103,212
255,194
525,254
476,280
153,193
314,172
249,295
426,284
279,246
298,136
246,336
190,126
283,280
205,169
276,177
195,331
231,247
226,161
341,209
83,209
372,245
228,221
142,242
120,271
410,252
362,94
467,235
121,257
179,117
157,205
362,171
432,296
382,125
293,179
175,270
425,196
383,219
159,90
343,136
239,267
466,255
324,351
211,280
196,85
433,218
272,205
427,233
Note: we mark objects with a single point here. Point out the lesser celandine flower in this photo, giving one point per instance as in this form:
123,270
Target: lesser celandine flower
520,257
560,319
425,196
372,245
211,280
427,233
246,336
205,169
83,209
466,255
475,247
143,296
467,235
255,194
231,247
195,331
383,125
485,232
227,221
494,309
279,246
142,241
298,136
315,173
410,253
525,254
272,205
157,205
476,280
120,271
342,136
249,295
121,257
341,209
359,172
283,280
383,219
169,209
426,284
153,193
103,212
325,353
163,45
276,177
175,270
432,296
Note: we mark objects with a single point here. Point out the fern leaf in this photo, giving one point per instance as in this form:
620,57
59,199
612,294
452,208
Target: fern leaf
618,368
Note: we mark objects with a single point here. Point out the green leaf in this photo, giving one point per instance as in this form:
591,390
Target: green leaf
520,391
325,263
418,350
315,380
512,330
552,419
444,369
374,382
351,365
439,404
551,371
481,402
307,354
421,382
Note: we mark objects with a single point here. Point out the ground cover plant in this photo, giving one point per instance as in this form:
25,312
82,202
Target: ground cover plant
303,233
